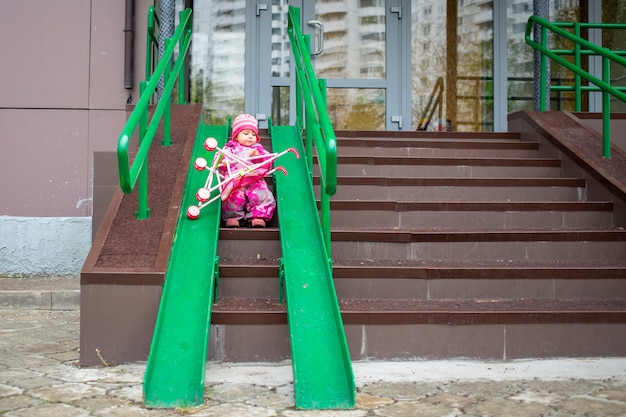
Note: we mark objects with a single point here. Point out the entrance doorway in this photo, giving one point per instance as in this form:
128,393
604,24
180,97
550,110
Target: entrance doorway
360,47
384,61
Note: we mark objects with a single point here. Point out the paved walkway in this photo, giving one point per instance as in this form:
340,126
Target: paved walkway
40,377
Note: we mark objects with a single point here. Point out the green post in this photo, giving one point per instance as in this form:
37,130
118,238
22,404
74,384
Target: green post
143,211
167,115
149,38
309,122
325,198
182,74
606,108
577,78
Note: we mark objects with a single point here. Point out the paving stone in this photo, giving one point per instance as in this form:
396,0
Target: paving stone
593,406
40,377
497,407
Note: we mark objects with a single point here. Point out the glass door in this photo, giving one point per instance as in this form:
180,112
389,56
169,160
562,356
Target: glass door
361,48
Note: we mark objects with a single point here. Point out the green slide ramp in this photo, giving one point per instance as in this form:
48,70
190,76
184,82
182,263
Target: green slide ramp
175,370
322,370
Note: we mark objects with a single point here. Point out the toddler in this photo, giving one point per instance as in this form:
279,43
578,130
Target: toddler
253,202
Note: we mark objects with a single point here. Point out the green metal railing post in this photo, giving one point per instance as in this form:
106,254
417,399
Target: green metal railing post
167,114
577,78
309,123
606,109
182,74
143,212
325,198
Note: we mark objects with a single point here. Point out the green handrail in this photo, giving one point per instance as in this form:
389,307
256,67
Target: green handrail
317,124
130,174
603,85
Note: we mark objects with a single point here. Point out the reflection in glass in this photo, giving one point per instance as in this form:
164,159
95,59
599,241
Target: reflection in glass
614,11
354,39
217,77
356,108
452,44
280,106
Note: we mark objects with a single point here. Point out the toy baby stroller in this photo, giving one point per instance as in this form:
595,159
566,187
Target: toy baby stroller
224,178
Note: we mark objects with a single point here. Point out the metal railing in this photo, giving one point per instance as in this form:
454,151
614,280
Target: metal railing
312,115
582,48
137,172
435,102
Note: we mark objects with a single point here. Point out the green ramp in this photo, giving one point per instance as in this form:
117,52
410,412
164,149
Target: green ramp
175,370
322,371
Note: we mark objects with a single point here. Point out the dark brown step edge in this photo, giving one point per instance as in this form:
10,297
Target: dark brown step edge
462,312
424,143
458,182
448,161
409,235
418,134
430,318
605,270
93,275
526,206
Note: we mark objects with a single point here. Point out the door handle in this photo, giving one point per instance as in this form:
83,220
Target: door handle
260,7
320,36
397,9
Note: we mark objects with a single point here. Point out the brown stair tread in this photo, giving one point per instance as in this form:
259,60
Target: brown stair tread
540,305
452,161
454,143
457,312
459,181
441,270
471,205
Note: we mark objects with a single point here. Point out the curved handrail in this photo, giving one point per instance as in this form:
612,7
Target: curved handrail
318,126
130,173
591,49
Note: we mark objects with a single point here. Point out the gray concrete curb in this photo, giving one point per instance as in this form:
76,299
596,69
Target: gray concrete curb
40,300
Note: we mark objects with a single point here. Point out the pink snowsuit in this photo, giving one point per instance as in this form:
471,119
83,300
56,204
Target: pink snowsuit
252,200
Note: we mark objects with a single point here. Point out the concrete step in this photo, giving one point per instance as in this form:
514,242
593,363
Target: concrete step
407,167
412,329
440,189
441,245
574,280
479,245
436,148
442,215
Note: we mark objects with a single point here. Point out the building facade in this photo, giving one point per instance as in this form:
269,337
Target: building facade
63,99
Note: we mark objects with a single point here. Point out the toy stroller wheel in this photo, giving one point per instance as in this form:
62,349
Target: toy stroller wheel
193,212
200,164
203,195
210,144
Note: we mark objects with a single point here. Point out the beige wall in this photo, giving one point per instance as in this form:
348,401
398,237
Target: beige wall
62,98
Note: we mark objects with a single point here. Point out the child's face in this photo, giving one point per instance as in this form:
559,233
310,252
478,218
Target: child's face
246,137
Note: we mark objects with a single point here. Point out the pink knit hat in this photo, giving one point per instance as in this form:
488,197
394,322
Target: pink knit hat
243,122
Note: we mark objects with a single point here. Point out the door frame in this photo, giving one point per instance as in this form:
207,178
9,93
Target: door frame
259,80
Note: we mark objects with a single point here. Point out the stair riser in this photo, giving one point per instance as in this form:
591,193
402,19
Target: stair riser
447,171
440,289
456,193
470,220
249,249
480,251
231,343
